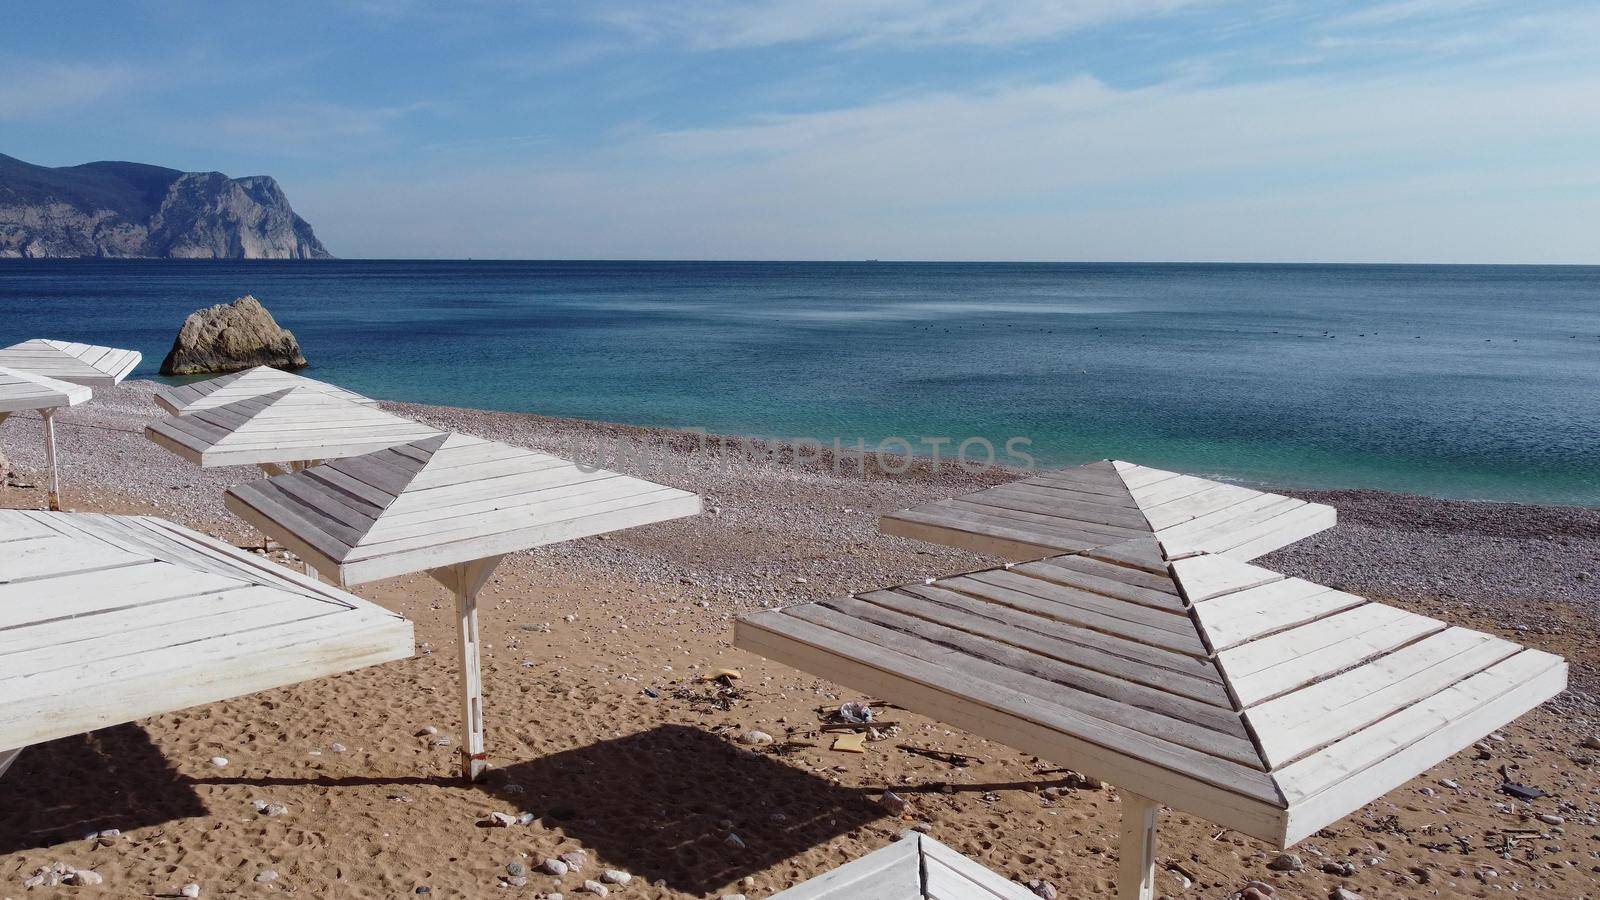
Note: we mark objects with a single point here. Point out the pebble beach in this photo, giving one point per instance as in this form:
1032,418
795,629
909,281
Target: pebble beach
621,767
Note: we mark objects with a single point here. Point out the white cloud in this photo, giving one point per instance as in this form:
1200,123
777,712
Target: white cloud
1447,166
31,89
718,24
305,128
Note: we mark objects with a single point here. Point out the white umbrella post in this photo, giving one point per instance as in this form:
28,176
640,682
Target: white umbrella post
48,417
1136,871
465,580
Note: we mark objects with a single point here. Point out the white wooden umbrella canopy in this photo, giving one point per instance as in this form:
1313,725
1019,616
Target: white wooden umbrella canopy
72,362
21,391
1104,502
226,389
451,505
107,619
1267,704
286,426
915,867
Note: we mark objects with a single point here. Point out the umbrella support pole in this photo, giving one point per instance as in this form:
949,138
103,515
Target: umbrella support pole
48,416
465,580
270,470
1136,870
5,475
7,757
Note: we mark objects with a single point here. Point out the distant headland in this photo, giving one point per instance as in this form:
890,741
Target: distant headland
133,210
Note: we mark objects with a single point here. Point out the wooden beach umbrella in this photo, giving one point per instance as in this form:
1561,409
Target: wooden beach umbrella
226,389
286,428
1103,502
1266,704
71,362
108,619
915,867
453,506
21,391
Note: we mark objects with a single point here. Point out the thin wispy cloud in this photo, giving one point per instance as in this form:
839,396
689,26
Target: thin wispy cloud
311,128
1075,129
1068,170
721,24
32,89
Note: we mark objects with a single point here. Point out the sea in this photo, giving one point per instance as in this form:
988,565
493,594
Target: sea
1471,382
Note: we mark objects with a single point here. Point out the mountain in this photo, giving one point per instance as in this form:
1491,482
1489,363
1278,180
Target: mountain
123,209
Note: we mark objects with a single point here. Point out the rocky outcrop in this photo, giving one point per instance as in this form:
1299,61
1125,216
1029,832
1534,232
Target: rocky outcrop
121,209
229,337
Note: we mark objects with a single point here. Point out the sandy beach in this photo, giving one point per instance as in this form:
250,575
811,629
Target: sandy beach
603,727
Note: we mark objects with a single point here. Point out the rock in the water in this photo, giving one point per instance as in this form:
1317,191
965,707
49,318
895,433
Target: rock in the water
230,337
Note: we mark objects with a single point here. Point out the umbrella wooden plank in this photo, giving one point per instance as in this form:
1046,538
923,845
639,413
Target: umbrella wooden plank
1103,503
453,506
1270,705
916,867
250,383
285,427
108,619
22,390
72,362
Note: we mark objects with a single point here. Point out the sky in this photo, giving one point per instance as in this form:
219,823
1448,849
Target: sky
1272,130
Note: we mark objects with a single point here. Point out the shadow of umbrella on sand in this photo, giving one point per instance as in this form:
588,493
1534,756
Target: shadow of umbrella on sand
662,803
116,777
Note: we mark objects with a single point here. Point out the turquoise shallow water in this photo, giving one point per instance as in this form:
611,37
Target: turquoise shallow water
1473,382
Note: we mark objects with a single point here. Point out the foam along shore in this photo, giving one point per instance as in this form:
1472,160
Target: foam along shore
605,731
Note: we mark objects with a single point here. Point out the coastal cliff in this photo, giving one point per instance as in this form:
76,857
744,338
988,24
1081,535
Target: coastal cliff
123,209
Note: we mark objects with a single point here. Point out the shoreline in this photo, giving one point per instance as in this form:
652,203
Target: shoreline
1556,545
601,726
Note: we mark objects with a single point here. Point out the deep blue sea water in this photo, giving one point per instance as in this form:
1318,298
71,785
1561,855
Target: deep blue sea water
1458,381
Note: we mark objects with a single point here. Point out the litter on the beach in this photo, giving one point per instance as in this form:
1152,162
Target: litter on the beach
850,743
856,712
